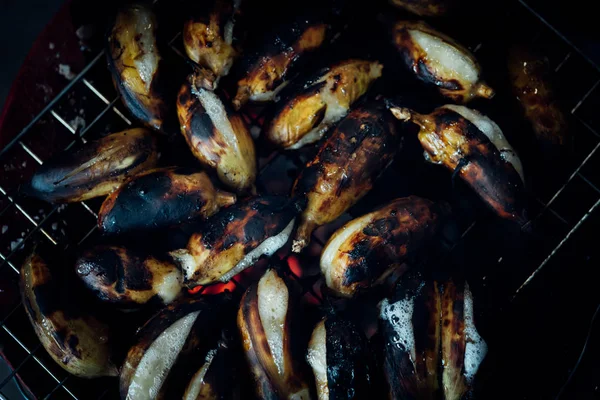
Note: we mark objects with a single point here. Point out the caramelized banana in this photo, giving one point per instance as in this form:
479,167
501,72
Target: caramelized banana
95,169
217,136
264,323
438,60
208,39
321,103
345,168
424,8
161,198
136,65
126,278
530,81
410,326
367,249
79,343
339,356
474,147
172,347
463,349
266,69
235,237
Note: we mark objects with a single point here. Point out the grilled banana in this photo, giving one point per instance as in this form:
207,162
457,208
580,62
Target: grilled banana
161,198
235,237
321,103
128,279
172,347
95,169
463,349
266,69
438,60
264,323
428,328
530,82
474,147
208,40
339,357
410,326
79,343
217,136
367,249
345,168
424,8
136,65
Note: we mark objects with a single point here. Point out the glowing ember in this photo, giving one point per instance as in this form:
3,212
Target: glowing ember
294,265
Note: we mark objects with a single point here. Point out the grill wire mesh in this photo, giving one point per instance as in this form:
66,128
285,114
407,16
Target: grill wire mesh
25,221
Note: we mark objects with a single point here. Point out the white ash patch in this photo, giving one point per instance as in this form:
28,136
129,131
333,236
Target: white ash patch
4,229
77,123
15,244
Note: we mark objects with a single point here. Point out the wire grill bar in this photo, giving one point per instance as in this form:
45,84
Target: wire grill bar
111,105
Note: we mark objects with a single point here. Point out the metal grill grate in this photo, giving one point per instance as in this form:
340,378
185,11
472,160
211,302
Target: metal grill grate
71,225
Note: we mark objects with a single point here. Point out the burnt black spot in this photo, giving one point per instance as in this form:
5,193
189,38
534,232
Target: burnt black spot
229,241
347,359
427,76
201,126
46,298
382,227
307,180
255,229
184,97
209,44
137,275
72,343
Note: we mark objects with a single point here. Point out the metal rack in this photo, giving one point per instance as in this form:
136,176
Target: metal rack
30,361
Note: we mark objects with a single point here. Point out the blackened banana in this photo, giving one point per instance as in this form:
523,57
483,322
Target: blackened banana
266,69
235,237
321,103
161,198
264,323
438,60
217,136
95,169
429,328
349,161
463,348
137,66
409,324
424,8
367,249
472,145
531,85
208,39
127,278
172,346
79,343
339,356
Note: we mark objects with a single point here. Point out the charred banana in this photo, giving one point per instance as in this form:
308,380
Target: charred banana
438,60
339,357
128,279
264,323
474,147
96,169
136,64
463,348
174,352
266,69
367,249
78,343
424,8
531,85
161,198
235,238
208,40
410,326
217,136
428,328
359,149
321,103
